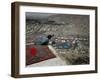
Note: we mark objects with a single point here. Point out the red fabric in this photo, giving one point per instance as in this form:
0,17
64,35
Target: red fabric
37,53
33,51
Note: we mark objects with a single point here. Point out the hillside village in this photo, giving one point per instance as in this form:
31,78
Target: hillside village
65,28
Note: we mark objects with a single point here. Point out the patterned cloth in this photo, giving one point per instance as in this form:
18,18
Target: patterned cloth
40,54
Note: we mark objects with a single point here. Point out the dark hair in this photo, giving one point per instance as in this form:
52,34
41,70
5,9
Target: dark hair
50,36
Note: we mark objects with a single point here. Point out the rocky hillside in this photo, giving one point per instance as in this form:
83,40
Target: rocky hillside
66,26
59,25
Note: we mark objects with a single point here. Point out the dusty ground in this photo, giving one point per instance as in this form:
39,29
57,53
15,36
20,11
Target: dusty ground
79,55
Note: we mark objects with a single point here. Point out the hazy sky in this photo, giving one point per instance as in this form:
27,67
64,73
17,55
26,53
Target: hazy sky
33,15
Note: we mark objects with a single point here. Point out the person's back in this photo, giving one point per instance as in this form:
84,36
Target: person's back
43,40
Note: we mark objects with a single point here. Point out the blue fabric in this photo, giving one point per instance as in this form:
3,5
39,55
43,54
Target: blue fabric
63,45
41,40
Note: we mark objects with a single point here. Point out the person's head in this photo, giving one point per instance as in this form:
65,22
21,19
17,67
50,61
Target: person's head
50,36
